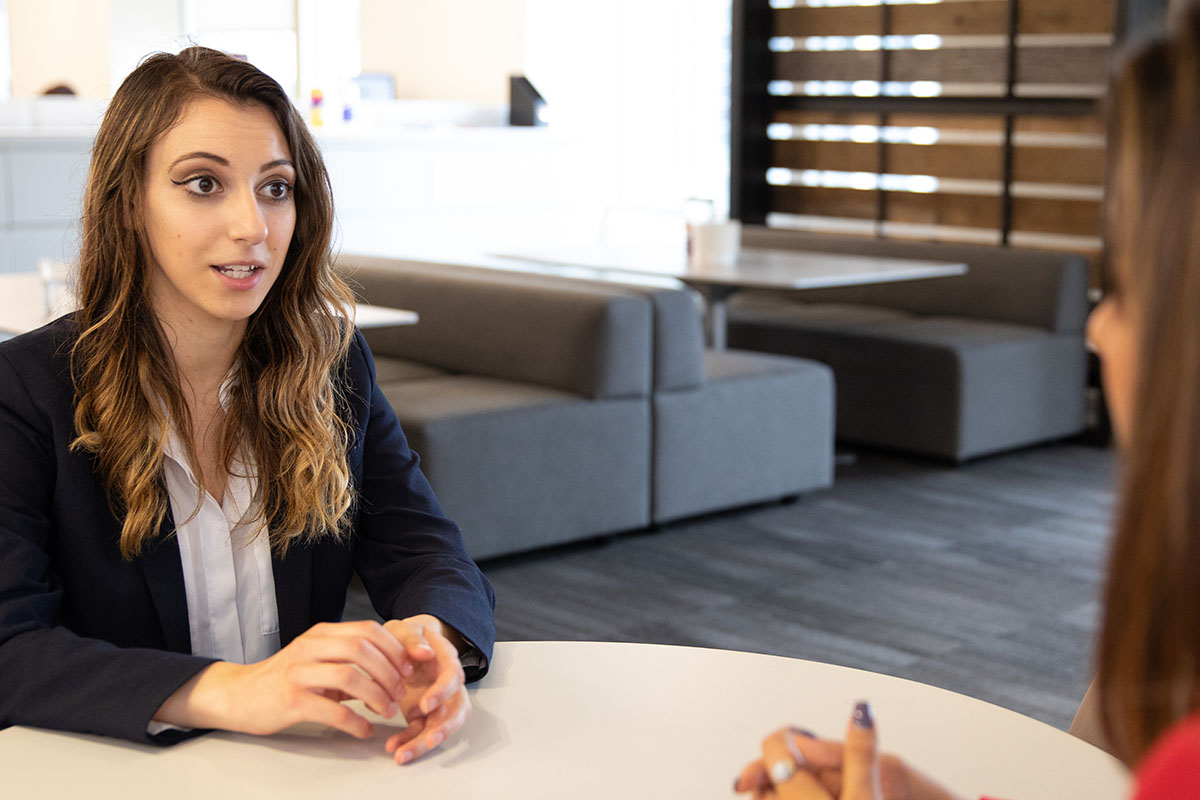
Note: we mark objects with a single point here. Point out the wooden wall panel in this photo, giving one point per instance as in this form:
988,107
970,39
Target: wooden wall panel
1066,16
971,122
830,21
1059,165
1069,65
944,209
826,118
947,161
849,156
826,202
975,65
1071,217
1086,123
952,19
846,65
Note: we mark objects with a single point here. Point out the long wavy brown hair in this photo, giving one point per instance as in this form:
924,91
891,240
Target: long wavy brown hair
283,412
1149,651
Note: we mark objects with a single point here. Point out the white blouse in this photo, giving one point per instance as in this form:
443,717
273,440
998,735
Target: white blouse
226,559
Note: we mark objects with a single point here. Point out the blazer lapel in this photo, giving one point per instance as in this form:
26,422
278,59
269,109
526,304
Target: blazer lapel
164,576
293,579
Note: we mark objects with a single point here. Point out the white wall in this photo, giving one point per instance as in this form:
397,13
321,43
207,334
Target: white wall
60,41
445,49
139,28
647,82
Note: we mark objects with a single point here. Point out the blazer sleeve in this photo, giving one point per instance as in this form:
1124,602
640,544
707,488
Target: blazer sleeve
409,554
50,676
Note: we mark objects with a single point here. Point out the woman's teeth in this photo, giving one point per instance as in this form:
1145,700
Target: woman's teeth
237,271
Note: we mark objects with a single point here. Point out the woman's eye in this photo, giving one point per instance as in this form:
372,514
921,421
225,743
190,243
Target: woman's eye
278,190
201,185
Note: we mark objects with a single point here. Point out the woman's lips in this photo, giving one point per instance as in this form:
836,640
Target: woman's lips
239,276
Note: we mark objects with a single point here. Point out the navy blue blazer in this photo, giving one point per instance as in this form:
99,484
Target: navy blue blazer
91,642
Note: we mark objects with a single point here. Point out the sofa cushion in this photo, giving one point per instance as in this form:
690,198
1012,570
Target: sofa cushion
520,466
759,428
588,340
1038,288
946,386
393,370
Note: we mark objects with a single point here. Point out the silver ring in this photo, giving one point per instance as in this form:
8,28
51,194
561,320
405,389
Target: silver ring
782,771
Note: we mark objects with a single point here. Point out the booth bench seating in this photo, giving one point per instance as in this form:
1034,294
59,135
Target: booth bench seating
954,367
547,409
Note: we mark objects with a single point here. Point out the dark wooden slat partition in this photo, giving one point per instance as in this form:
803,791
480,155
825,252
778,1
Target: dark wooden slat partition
960,120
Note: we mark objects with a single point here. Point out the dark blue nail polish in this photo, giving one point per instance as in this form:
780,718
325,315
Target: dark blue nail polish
807,734
862,715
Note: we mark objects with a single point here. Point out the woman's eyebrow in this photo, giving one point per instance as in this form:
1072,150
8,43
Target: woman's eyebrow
201,154
279,162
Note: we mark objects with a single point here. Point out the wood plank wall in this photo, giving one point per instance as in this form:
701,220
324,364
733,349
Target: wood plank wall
1009,176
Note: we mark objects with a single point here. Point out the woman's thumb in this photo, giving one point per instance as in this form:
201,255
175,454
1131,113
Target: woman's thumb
860,767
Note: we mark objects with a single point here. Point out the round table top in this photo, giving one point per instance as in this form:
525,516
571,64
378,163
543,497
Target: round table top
589,719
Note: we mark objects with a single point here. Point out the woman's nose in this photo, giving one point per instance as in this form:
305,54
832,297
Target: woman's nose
246,220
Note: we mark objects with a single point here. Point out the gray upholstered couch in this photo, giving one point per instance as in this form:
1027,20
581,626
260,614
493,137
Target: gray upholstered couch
547,409
953,367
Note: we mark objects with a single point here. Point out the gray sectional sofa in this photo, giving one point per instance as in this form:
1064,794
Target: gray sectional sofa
954,367
548,409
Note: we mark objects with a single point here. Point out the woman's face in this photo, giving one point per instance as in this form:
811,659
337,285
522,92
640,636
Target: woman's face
1112,331
218,214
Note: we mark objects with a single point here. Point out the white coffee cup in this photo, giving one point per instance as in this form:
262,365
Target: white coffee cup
714,244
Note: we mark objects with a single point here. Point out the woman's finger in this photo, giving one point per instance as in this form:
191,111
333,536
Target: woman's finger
346,679
752,778
412,635
426,733
312,707
860,768
410,732
450,678
786,769
348,647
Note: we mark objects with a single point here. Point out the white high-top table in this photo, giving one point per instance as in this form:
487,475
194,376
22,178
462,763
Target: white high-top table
755,268
589,720
24,306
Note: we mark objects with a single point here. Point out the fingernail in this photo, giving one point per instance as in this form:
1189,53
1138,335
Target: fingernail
430,705
406,757
802,732
391,710
862,715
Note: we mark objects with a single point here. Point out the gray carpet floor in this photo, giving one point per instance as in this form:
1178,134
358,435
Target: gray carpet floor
983,579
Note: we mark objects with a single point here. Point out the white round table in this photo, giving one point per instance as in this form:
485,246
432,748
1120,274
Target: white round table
591,720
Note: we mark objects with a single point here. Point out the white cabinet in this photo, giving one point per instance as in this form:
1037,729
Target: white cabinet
41,197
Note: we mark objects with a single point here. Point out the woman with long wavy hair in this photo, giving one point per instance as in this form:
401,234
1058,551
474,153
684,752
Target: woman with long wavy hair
196,460
1147,332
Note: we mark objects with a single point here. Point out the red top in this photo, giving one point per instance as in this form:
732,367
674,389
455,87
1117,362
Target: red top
1171,770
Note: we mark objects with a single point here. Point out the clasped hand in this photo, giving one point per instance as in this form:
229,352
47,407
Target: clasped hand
406,666
795,765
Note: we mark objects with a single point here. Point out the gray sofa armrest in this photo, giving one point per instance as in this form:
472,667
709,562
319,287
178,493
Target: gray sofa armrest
1038,288
588,340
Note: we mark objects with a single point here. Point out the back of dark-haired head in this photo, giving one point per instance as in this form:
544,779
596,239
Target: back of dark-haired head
1149,650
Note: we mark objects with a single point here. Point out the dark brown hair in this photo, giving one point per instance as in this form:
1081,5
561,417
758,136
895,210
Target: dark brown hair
1149,651
283,412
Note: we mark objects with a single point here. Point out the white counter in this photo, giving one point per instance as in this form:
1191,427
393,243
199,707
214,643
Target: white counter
393,189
